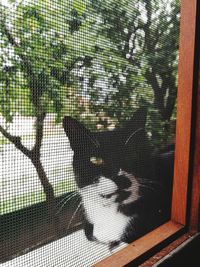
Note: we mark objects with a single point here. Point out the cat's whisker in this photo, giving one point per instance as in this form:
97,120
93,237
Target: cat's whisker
147,187
147,181
75,212
66,197
94,141
65,201
132,135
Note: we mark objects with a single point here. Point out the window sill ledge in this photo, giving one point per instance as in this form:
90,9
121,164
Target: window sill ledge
72,250
148,244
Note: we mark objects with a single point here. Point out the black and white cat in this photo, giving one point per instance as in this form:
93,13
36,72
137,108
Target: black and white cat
125,190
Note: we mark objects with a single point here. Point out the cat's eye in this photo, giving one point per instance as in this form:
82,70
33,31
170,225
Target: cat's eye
97,161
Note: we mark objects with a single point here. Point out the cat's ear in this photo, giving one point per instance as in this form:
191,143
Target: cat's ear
78,134
135,127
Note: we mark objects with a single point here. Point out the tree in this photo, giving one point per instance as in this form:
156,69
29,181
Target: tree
140,62
37,63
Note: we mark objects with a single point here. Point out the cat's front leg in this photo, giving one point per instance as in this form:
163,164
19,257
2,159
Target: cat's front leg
88,228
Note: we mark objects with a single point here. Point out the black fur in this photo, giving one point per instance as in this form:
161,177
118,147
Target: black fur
128,149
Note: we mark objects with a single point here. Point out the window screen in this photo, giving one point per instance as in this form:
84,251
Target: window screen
87,124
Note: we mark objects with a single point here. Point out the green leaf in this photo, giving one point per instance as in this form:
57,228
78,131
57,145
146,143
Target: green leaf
79,6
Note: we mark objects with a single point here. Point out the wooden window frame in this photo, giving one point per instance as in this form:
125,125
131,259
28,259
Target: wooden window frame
186,190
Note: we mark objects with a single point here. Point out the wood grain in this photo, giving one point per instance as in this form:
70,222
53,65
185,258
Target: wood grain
166,250
140,246
195,200
184,109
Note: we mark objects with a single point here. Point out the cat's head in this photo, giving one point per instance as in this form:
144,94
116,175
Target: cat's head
105,154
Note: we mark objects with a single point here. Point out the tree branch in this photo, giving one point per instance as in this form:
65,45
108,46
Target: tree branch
39,124
16,140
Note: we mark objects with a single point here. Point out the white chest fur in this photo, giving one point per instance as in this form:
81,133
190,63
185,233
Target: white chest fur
109,223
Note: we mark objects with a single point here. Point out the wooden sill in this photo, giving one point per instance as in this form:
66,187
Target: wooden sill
142,245
181,246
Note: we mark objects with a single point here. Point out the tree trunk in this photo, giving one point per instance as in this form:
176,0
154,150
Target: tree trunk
49,193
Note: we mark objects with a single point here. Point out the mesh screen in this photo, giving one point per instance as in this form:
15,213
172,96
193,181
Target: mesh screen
87,124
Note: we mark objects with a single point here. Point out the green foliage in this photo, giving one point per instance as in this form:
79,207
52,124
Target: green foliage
140,62
118,55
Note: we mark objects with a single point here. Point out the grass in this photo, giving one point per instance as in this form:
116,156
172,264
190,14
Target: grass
28,199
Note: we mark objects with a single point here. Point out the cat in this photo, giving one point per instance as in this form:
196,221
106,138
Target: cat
124,186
